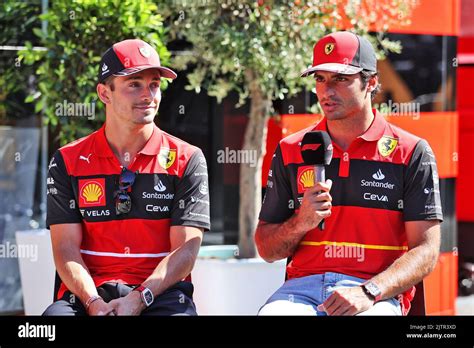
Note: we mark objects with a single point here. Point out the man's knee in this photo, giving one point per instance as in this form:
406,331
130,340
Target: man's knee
282,307
387,307
49,311
55,309
175,301
62,307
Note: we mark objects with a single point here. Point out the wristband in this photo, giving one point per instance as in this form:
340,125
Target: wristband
92,299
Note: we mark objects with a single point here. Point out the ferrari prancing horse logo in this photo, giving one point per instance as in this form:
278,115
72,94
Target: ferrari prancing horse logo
166,157
386,145
329,48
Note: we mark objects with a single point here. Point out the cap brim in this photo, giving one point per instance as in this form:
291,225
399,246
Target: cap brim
332,67
164,72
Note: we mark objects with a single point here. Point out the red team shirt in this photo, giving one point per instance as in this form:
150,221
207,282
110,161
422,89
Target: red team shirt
170,189
386,177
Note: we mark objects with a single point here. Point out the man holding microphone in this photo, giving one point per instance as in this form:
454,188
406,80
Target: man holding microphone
374,202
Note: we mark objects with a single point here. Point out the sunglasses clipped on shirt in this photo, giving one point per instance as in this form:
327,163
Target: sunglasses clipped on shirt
123,202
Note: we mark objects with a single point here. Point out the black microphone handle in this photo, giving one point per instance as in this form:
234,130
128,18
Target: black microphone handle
320,176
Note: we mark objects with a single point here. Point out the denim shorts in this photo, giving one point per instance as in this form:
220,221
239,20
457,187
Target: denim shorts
303,295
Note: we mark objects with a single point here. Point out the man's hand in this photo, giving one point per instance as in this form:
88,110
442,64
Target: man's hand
99,307
131,304
316,205
347,301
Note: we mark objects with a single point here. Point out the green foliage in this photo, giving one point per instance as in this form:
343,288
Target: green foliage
272,38
78,33
13,75
259,49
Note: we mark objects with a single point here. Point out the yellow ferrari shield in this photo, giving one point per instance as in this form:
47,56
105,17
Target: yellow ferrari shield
386,145
329,48
166,157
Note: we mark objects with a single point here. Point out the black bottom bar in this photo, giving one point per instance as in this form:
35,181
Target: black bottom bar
215,330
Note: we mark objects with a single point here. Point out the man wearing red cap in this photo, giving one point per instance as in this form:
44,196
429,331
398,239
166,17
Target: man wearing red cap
127,205
381,203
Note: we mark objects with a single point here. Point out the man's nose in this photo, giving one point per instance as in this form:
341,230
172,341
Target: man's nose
325,90
149,93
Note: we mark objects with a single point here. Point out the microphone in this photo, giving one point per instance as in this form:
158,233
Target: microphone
316,150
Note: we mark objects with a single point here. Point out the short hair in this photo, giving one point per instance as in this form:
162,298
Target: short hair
366,76
109,81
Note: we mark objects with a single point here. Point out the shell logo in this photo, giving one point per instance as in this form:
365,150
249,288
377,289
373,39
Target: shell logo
92,192
307,178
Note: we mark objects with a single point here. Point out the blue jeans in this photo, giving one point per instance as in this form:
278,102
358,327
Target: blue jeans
301,296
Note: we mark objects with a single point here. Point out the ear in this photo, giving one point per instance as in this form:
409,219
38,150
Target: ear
372,83
103,92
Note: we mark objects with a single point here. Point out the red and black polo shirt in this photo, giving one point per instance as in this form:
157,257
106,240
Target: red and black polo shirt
170,189
386,177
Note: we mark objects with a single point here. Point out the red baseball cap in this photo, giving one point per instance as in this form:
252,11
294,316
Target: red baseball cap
343,52
129,57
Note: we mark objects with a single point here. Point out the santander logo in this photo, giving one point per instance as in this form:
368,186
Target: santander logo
378,175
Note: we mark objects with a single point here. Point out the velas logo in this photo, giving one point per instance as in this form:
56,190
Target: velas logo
329,48
166,157
305,178
91,192
387,145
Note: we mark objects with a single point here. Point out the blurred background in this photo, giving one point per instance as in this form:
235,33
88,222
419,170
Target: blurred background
49,53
